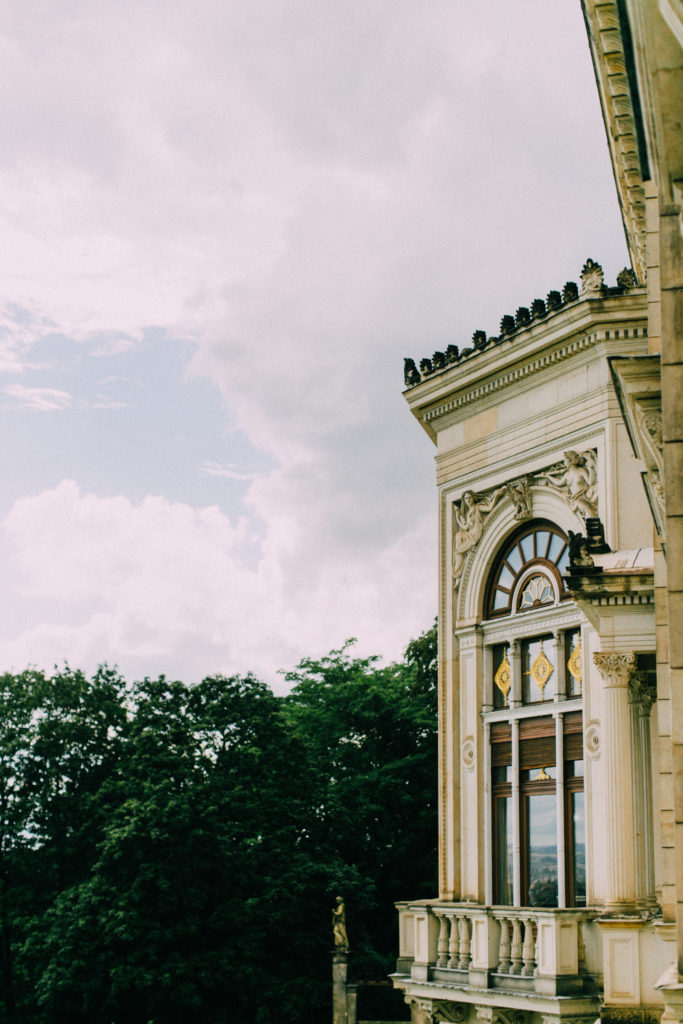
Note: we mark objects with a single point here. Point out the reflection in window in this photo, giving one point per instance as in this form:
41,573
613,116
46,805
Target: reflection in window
541,849
538,667
577,848
504,896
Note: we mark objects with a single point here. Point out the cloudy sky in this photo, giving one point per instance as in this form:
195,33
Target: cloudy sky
224,223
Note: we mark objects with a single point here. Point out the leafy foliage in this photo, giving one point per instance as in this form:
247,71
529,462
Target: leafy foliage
170,853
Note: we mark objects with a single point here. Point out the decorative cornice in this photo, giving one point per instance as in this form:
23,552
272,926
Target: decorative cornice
621,111
592,286
533,366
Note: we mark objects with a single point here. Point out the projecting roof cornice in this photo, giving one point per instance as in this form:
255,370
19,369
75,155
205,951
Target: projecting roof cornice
618,322
541,311
611,48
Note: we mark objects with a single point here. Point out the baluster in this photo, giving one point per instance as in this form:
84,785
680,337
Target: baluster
504,949
516,947
464,929
453,944
529,949
442,946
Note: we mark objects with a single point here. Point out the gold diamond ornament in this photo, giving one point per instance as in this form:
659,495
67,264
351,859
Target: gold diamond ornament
503,678
541,671
575,665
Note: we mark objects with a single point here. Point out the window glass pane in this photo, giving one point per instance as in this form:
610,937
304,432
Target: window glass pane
502,774
574,658
556,546
563,564
541,850
578,849
537,591
504,851
506,578
542,538
538,670
501,600
527,546
514,559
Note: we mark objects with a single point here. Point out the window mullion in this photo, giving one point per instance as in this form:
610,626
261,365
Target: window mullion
516,825
560,796
488,815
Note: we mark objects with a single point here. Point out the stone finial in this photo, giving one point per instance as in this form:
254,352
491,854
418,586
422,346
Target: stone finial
411,374
522,317
479,340
538,308
426,367
592,278
438,360
553,300
626,279
507,324
452,353
570,292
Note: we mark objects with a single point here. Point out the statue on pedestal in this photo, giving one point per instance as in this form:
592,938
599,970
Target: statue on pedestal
341,941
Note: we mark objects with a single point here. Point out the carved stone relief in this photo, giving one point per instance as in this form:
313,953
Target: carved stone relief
468,753
576,479
469,516
616,669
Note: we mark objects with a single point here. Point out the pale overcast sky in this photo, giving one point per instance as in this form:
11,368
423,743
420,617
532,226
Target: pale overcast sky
224,224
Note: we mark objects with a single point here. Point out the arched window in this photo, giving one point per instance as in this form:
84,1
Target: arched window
528,571
533,720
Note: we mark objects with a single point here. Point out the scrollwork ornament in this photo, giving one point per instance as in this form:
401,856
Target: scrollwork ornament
468,753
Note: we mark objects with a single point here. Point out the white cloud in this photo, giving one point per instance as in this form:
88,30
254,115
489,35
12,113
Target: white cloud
307,192
164,584
42,399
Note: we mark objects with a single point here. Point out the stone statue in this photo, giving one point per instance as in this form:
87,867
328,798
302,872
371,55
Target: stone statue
470,513
579,555
518,493
577,481
339,925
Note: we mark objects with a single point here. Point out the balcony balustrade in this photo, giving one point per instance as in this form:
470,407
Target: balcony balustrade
518,949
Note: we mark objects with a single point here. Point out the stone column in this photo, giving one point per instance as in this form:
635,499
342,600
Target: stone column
616,670
340,967
641,697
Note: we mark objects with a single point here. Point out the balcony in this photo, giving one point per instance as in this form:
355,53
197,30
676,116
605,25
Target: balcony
523,950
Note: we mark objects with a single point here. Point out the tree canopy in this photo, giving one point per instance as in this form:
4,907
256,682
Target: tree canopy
172,852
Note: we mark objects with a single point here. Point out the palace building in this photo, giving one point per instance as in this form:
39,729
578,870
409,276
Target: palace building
559,457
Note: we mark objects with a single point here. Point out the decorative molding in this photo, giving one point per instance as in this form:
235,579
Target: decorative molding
620,109
592,739
554,619
637,382
616,669
469,758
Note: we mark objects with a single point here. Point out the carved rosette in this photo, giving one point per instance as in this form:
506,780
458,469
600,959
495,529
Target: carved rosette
615,669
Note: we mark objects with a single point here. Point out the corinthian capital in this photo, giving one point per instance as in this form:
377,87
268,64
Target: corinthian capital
616,669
